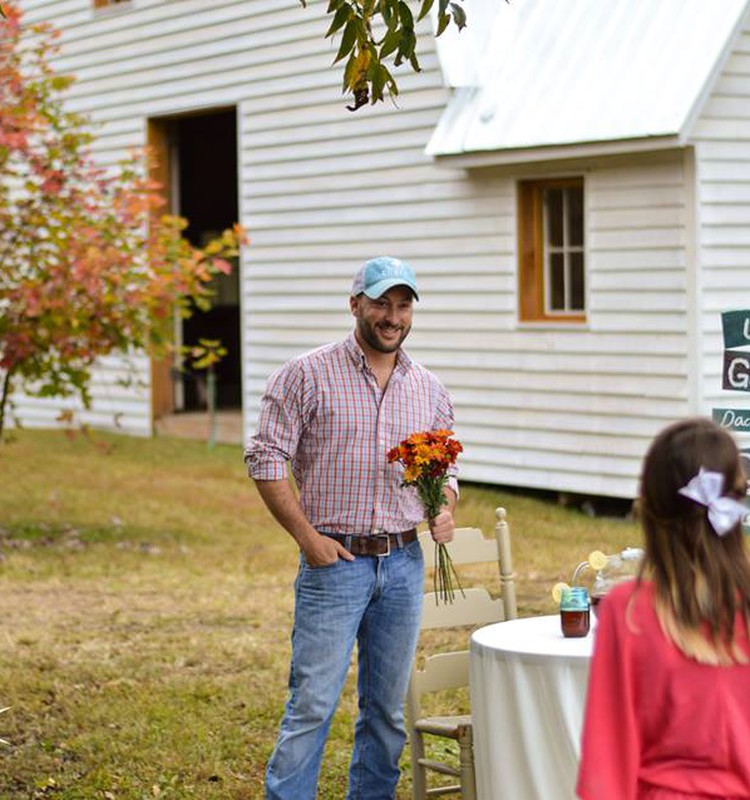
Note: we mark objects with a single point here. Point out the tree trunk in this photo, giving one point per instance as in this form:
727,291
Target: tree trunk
4,400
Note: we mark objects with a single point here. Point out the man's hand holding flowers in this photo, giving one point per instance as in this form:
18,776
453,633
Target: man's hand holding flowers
426,458
442,526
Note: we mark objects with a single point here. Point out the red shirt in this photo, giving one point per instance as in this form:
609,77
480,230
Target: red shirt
658,723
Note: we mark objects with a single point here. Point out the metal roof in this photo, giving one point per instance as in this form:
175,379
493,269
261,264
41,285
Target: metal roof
540,73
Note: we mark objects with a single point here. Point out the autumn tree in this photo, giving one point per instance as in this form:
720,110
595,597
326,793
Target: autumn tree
88,267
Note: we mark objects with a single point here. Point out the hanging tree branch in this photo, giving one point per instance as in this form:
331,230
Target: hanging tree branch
366,76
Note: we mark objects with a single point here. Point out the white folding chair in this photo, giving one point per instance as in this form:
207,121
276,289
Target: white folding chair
450,670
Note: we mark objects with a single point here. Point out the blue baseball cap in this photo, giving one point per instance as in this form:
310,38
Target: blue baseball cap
378,275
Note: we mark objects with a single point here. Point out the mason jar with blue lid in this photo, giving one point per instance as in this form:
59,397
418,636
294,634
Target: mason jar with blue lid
575,610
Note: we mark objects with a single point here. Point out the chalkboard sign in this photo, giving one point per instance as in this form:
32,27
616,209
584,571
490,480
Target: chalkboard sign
733,419
736,372
736,328
735,376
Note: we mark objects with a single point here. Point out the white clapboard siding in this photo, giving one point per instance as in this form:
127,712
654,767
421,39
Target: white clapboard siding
536,405
722,136
119,403
571,408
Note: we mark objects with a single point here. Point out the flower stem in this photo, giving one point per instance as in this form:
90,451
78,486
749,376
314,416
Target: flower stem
445,575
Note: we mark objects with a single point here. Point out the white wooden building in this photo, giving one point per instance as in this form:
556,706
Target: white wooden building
571,182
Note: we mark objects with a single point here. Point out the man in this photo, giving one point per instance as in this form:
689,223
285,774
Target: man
334,413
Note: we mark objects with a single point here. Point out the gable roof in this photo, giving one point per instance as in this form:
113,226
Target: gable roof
546,73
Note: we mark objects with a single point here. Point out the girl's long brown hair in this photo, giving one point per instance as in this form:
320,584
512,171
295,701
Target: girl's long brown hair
702,580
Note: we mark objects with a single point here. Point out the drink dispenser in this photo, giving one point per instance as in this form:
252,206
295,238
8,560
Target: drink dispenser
618,567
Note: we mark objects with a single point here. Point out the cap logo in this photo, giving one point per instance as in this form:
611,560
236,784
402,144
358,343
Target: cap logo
389,271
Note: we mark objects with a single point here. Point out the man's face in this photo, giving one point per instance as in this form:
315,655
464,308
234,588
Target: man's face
383,324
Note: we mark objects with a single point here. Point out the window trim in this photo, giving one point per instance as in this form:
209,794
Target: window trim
532,285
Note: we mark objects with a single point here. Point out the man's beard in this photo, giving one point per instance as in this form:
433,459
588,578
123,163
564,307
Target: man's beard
369,334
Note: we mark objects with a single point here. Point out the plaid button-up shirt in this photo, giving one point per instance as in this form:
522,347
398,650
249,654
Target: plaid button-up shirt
325,413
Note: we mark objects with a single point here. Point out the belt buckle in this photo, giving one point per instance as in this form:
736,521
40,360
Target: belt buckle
387,544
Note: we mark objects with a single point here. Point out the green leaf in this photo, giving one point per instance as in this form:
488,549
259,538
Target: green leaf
459,16
443,22
414,63
340,18
391,83
425,10
391,42
405,15
378,82
443,7
348,39
406,50
408,43
350,73
390,15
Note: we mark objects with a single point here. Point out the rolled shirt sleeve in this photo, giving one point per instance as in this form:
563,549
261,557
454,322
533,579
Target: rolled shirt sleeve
280,423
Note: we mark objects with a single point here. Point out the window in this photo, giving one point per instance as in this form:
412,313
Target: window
552,283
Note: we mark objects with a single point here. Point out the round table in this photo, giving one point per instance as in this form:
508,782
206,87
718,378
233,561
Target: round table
528,691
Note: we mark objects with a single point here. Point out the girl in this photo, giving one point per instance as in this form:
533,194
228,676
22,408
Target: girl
668,707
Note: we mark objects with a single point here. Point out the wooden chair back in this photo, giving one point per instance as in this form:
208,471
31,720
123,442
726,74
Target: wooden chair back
472,608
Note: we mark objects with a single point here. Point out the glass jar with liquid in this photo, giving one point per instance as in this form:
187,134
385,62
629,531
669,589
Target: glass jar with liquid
575,610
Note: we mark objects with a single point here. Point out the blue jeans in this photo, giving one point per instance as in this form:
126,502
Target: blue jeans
378,603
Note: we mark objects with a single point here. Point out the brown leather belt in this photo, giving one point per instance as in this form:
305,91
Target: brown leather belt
374,544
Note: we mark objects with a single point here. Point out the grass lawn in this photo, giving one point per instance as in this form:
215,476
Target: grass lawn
146,600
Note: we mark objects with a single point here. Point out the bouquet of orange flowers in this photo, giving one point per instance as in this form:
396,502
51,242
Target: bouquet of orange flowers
426,458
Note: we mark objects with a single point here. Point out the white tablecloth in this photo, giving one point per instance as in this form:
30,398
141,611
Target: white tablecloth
528,690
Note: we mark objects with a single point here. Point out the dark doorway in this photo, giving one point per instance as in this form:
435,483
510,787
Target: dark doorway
204,181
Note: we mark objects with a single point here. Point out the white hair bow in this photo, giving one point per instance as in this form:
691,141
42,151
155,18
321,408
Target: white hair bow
707,488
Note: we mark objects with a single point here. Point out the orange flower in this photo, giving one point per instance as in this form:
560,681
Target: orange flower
411,473
426,454
426,457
